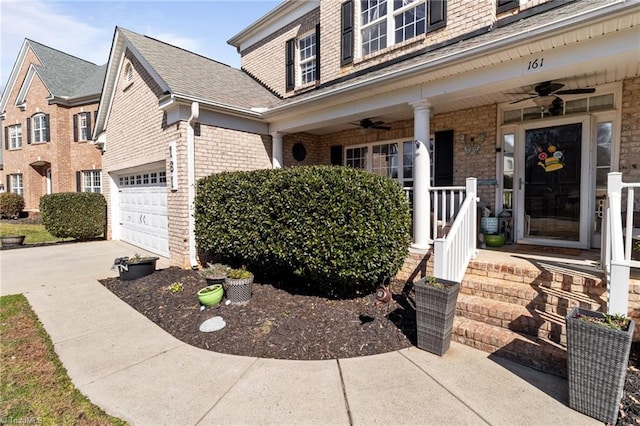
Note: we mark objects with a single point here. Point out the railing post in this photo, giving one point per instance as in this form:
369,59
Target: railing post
472,191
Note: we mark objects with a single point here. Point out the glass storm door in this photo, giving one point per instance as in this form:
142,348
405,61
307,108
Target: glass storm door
552,185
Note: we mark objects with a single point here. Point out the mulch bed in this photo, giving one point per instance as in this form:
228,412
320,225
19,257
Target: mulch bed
294,325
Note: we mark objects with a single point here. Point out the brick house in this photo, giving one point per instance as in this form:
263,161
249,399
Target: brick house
47,110
538,100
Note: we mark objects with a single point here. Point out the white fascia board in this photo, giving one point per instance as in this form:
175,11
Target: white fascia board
26,85
278,18
469,54
17,66
116,56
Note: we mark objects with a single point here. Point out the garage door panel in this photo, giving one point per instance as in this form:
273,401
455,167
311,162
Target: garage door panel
143,217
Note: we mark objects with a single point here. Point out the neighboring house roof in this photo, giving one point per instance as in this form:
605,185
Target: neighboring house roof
67,77
189,74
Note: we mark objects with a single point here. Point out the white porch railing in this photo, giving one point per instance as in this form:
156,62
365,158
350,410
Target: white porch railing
453,251
617,242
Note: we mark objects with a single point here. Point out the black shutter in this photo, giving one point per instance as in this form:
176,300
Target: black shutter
75,127
346,40
88,126
318,52
6,138
47,134
336,155
437,14
504,5
8,188
291,64
28,130
78,182
443,158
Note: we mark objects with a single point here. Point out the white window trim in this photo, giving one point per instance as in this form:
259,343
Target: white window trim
91,175
83,129
17,183
41,129
300,62
15,136
390,25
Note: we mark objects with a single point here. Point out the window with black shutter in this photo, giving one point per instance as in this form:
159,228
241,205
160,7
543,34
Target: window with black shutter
504,5
437,13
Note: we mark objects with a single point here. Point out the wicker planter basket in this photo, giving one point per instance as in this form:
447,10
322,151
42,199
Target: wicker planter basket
435,310
597,359
238,290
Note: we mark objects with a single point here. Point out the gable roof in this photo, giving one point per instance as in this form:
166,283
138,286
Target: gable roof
67,77
187,73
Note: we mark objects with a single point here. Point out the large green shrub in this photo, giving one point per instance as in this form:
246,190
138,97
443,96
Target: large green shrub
335,225
79,215
11,205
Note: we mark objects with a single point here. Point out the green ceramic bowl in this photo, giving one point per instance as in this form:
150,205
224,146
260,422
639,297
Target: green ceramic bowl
494,240
211,295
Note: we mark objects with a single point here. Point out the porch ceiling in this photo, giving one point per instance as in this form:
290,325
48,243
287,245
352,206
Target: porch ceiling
583,55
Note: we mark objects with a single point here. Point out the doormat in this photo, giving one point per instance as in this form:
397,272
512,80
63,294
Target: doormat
549,250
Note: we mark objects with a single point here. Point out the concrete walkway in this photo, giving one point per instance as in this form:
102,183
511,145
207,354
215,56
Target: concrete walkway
134,370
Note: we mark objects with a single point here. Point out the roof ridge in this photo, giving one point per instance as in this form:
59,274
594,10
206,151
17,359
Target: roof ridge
59,51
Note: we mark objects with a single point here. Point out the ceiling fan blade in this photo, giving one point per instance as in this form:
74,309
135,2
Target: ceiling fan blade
575,91
380,127
547,88
524,99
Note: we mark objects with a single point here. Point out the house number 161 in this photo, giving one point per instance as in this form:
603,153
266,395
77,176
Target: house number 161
535,64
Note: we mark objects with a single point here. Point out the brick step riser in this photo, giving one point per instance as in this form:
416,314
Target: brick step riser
531,326
542,301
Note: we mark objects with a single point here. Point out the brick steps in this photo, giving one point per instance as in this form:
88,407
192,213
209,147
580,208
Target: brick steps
527,350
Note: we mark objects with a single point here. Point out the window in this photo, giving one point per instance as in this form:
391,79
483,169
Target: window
128,73
15,184
382,26
40,128
307,61
302,60
14,136
82,126
91,181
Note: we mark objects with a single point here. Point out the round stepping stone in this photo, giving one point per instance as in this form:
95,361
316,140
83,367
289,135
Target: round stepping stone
212,324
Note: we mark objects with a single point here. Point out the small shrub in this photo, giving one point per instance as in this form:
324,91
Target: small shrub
336,227
78,215
238,274
11,205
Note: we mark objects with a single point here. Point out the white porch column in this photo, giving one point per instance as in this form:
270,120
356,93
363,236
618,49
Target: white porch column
421,175
276,149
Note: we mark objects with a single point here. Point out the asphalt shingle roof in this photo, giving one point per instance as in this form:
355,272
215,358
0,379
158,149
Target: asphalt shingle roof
187,73
67,76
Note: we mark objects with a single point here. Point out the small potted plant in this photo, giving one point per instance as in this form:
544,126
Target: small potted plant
238,286
435,309
137,266
598,347
12,240
215,273
211,295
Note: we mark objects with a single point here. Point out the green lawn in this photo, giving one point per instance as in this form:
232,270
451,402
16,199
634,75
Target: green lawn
34,385
34,233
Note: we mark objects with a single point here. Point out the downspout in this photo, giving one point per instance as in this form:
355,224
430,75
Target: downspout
191,182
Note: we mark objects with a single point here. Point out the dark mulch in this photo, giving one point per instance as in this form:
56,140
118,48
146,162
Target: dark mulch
291,325
276,323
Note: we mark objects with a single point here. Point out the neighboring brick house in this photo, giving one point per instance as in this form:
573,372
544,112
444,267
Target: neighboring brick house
479,86
47,110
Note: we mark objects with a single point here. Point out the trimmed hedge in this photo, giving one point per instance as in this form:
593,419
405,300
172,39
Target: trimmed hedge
78,215
330,225
11,205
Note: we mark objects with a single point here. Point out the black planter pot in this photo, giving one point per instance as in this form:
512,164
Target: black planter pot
597,360
138,269
12,240
435,310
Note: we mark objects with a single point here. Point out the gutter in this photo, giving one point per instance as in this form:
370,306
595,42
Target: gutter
621,7
191,182
169,100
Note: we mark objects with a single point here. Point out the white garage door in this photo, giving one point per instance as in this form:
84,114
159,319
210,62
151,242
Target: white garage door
143,211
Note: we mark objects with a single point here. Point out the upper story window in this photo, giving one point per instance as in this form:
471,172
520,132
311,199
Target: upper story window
82,126
13,136
307,58
384,23
40,128
302,64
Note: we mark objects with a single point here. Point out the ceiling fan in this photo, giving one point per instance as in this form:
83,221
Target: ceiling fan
548,91
367,123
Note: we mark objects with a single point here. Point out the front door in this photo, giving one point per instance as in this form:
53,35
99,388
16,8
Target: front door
552,186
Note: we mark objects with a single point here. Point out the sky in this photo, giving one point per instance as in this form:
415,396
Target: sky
85,29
